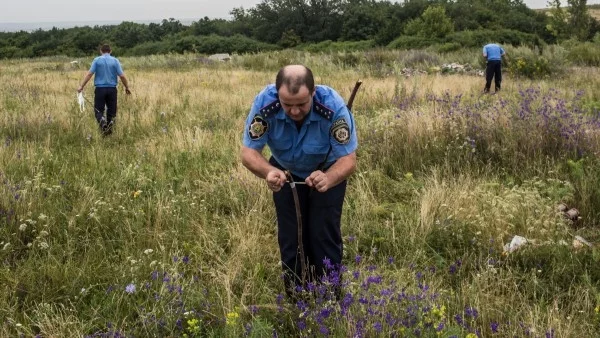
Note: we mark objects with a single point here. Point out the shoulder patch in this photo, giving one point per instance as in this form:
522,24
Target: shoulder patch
258,127
340,130
270,109
322,110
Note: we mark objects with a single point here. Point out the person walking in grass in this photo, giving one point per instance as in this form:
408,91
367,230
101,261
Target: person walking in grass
107,70
312,134
493,53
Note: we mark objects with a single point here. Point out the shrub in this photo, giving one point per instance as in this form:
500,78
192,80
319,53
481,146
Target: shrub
338,46
585,54
531,67
504,36
447,47
410,42
347,59
149,48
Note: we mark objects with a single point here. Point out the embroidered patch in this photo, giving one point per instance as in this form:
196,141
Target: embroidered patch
258,127
340,130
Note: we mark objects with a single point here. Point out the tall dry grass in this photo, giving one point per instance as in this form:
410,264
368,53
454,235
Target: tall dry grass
445,178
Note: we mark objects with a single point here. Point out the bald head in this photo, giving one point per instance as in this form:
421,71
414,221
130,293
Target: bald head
294,77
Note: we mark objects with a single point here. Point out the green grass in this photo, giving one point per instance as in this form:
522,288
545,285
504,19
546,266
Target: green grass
446,177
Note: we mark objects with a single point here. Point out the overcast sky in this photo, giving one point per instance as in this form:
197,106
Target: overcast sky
132,10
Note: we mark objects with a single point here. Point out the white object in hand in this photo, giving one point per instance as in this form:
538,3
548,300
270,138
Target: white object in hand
81,101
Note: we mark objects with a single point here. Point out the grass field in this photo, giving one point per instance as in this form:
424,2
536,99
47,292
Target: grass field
158,230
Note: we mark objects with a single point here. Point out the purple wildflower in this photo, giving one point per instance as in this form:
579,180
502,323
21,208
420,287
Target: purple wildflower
471,312
324,330
301,325
440,327
327,263
458,319
130,288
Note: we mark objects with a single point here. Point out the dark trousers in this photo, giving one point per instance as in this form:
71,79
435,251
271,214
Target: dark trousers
493,70
105,97
321,230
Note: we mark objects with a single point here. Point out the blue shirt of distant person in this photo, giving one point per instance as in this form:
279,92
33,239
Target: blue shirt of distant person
107,70
493,53
310,133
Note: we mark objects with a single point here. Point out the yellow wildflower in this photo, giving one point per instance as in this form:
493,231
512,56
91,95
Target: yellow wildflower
232,318
136,193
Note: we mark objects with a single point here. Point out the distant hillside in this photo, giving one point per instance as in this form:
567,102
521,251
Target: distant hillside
32,26
594,11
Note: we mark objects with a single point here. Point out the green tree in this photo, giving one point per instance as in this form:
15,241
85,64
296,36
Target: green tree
579,19
433,23
363,19
557,23
128,34
289,39
312,20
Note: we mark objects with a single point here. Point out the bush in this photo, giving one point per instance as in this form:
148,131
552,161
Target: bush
338,46
149,48
420,57
585,54
410,42
504,36
447,47
211,44
531,67
347,59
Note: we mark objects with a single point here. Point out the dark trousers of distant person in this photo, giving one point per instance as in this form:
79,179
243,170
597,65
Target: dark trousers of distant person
493,70
105,97
321,232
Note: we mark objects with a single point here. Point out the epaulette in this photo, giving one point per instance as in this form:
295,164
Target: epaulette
323,111
270,109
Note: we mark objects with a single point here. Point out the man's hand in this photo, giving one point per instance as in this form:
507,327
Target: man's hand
319,181
127,91
275,179
80,89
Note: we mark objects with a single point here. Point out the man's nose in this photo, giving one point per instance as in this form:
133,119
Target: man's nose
295,110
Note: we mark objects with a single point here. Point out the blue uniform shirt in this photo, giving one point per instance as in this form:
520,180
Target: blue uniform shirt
106,69
493,52
329,125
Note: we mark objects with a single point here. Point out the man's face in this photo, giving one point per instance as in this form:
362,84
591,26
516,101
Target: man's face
298,105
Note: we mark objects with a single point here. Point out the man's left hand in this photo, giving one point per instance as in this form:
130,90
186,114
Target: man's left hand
318,180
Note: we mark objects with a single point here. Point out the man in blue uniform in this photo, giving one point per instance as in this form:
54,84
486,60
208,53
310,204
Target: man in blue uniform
493,53
312,134
107,68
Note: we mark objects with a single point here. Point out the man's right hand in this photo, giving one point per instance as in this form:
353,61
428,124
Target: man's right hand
275,179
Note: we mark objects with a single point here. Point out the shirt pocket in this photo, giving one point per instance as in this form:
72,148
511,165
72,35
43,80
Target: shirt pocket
282,149
314,154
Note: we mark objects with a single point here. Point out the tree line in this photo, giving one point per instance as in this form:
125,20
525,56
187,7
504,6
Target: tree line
277,24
